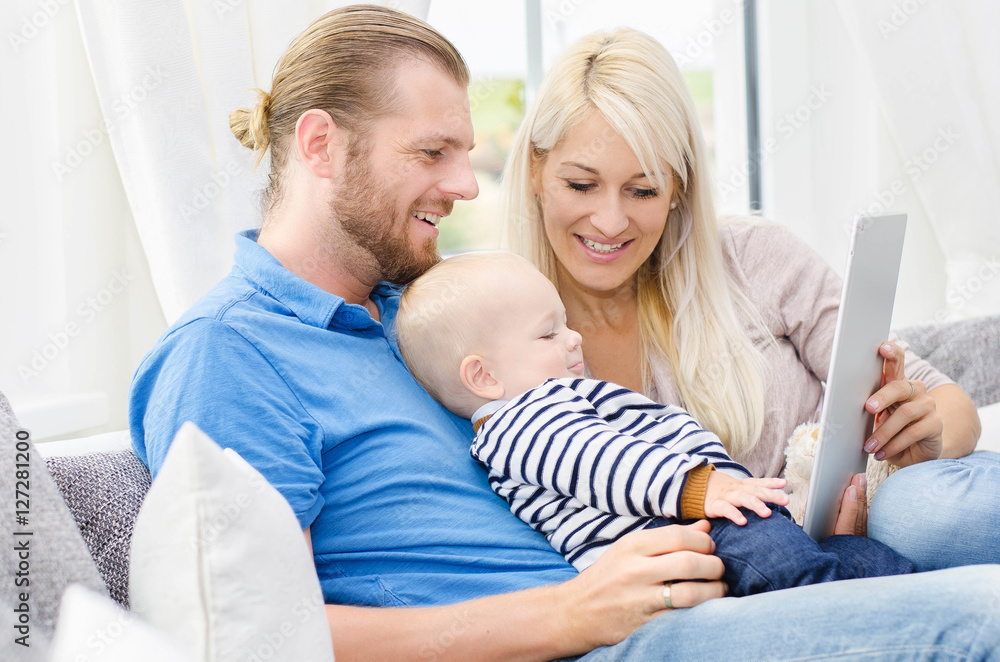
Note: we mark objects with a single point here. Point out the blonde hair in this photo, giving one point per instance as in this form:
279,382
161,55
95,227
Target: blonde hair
341,64
443,317
691,311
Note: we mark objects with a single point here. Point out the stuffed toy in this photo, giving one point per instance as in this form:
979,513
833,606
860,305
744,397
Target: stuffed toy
800,454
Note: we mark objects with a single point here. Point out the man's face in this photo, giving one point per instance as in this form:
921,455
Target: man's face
402,178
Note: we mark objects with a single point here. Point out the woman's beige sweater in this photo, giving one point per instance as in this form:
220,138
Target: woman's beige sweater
797,294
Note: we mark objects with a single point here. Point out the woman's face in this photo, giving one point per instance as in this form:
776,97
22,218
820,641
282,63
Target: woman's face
603,216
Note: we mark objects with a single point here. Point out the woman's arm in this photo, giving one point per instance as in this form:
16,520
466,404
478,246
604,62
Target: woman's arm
960,418
601,606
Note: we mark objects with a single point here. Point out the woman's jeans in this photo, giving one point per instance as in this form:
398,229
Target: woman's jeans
943,513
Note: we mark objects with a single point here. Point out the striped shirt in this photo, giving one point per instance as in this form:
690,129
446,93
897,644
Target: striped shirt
585,461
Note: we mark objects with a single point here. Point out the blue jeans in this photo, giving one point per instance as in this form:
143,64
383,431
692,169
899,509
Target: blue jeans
772,553
944,615
943,513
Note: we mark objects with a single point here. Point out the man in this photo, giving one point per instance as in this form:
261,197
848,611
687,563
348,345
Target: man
292,361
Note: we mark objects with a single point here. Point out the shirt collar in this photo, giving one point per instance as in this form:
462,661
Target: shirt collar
311,304
488,409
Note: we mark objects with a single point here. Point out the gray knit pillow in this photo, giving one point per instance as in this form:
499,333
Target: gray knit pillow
5,410
968,351
50,554
103,492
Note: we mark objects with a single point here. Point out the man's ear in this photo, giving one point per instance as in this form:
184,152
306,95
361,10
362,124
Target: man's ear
478,379
320,144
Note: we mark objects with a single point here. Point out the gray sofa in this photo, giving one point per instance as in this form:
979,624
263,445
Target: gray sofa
55,554
82,507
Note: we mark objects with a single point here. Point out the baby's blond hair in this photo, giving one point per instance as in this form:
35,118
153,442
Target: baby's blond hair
444,316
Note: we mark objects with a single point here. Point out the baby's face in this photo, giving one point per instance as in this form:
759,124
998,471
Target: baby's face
529,341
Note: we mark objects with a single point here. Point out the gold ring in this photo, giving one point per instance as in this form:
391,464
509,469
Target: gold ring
666,596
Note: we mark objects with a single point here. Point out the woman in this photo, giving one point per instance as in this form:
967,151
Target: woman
607,192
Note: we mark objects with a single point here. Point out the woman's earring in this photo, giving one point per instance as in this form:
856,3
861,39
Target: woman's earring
673,205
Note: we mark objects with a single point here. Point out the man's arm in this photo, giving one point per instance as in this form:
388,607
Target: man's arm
601,606
211,375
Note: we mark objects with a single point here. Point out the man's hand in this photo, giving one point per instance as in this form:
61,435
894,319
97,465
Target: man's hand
726,495
624,588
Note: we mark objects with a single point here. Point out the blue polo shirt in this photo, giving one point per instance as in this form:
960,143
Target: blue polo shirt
312,391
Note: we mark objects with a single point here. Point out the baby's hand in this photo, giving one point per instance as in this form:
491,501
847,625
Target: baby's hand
726,495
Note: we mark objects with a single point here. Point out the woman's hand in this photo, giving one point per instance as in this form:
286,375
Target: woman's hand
726,495
908,428
852,518
625,587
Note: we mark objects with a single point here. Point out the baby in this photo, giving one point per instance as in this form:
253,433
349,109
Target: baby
585,461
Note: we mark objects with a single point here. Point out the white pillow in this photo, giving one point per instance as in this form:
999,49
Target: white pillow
219,563
94,628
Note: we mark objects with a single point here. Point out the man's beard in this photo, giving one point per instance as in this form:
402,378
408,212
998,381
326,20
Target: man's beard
364,210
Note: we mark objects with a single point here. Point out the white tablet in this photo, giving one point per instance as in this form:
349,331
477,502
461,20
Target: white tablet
855,365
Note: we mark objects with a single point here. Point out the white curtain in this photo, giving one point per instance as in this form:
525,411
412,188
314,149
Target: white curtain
936,68
167,74
122,184
889,105
78,305
184,66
